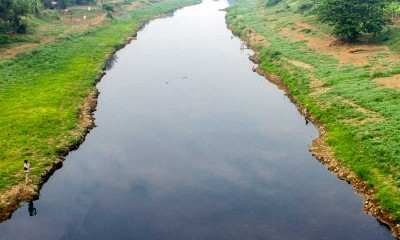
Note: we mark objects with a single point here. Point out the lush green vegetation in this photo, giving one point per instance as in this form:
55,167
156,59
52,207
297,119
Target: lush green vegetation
42,91
362,119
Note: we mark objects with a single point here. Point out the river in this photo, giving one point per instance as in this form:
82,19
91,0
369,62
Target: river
190,143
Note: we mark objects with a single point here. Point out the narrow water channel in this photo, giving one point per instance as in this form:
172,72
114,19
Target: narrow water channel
191,144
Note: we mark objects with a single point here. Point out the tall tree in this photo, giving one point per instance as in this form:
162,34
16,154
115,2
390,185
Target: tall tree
11,12
393,10
5,7
351,18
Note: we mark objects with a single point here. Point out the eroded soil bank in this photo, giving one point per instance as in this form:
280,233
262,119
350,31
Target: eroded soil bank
299,59
323,152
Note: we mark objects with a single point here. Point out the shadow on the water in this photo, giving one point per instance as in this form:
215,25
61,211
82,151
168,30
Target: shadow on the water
168,14
219,156
111,61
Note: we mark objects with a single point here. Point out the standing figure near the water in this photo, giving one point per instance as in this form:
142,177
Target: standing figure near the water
27,169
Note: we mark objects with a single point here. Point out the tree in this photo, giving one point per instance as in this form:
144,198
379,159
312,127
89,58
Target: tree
11,12
63,4
36,6
393,10
352,18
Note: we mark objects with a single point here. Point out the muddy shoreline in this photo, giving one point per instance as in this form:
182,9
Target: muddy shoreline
324,154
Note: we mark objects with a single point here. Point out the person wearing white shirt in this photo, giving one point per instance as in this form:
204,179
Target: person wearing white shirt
27,170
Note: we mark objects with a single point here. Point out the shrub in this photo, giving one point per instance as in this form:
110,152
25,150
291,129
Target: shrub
272,2
306,30
109,15
108,8
49,15
4,39
305,6
269,53
22,28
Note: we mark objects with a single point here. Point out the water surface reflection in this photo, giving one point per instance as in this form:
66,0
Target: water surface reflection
192,144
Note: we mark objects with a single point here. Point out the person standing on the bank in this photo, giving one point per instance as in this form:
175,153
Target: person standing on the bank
27,170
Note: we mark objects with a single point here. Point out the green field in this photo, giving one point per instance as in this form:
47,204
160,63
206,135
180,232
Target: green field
41,91
362,118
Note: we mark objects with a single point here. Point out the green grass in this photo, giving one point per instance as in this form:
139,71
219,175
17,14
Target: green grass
41,92
367,142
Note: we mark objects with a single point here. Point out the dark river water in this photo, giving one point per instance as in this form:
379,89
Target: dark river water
192,144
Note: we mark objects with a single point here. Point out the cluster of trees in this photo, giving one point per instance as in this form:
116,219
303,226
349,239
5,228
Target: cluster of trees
393,10
352,18
12,11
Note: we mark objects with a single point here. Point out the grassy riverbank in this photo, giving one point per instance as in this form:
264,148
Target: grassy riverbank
350,89
43,90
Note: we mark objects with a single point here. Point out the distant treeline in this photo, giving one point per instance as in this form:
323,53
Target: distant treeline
12,11
349,18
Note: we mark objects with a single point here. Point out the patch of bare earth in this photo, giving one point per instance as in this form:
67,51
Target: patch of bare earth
298,63
255,38
371,115
317,85
356,54
389,82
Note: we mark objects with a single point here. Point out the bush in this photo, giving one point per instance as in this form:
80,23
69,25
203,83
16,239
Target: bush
4,39
306,30
49,15
108,8
270,53
272,2
22,28
4,27
305,7
109,15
